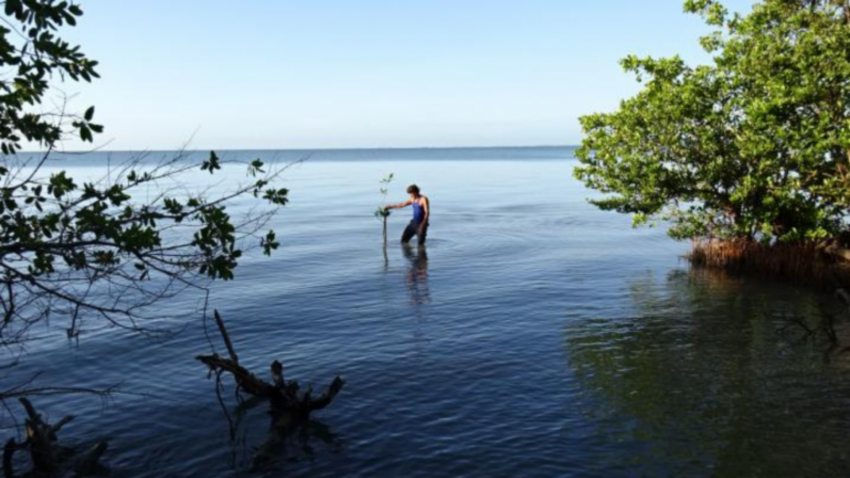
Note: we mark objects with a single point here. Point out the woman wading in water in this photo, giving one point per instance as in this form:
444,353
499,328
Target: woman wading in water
421,214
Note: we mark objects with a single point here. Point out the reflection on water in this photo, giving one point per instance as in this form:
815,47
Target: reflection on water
537,336
698,381
284,441
417,273
285,444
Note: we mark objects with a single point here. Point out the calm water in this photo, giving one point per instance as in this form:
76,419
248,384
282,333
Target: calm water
536,336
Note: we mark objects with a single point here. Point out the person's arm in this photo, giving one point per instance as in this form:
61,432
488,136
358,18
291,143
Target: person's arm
399,205
426,208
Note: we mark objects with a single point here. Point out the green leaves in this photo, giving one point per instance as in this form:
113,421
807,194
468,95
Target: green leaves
255,167
42,55
60,239
382,212
755,145
211,164
86,127
173,207
216,241
277,196
712,11
12,7
60,184
269,243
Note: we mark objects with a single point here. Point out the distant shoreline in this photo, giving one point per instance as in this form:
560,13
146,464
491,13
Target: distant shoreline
309,150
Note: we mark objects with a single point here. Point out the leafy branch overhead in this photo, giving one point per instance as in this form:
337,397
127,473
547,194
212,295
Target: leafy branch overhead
77,248
54,228
754,145
32,56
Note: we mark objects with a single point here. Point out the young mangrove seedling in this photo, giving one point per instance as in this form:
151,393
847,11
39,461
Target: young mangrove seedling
382,212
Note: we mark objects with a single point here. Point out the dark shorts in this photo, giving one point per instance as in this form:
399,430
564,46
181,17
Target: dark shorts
413,230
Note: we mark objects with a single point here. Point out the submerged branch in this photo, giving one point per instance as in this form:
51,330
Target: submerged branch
290,408
46,454
284,396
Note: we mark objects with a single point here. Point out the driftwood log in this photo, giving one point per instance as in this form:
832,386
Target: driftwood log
48,457
290,405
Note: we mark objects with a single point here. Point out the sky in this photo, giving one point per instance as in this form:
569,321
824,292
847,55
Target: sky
286,74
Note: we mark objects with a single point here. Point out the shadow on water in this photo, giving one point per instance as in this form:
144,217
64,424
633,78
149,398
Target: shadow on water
283,441
702,380
417,273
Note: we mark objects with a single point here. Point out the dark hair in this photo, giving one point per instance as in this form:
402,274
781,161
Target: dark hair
413,189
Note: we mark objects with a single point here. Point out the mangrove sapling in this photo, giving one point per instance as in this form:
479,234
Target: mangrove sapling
382,212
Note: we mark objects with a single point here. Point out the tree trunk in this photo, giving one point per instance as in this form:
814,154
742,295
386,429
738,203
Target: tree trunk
385,231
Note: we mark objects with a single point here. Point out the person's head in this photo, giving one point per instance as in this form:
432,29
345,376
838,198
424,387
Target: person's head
413,190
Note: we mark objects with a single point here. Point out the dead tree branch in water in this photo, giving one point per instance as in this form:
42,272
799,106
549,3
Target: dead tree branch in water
290,407
283,395
42,445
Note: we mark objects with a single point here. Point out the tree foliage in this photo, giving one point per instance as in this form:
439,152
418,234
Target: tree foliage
382,212
754,145
73,248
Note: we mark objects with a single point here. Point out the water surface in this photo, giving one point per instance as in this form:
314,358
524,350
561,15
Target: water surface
535,336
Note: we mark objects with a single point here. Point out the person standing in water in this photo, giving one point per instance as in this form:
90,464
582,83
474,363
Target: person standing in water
421,214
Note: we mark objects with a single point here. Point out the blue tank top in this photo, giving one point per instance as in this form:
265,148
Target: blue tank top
418,213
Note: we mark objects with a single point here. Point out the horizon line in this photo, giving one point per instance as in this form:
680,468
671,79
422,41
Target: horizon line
361,148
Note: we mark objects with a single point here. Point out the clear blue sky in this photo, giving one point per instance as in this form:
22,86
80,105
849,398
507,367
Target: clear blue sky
368,73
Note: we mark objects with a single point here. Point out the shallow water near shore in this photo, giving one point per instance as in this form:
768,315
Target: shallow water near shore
533,336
